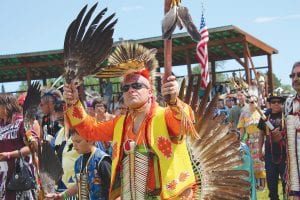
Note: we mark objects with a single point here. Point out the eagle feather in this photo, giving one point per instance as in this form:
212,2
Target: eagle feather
179,16
86,46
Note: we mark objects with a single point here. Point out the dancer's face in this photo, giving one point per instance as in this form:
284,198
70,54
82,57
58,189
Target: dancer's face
100,108
81,145
136,91
45,106
296,79
276,105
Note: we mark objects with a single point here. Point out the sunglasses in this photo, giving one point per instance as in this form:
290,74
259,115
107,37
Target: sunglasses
273,102
136,86
252,101
292,75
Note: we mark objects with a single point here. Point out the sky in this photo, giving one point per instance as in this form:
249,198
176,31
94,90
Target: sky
35,25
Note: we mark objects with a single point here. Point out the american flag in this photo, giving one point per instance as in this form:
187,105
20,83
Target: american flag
202,53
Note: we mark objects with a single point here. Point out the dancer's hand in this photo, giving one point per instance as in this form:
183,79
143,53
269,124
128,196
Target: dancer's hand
276,135
55,196
70,94
170,87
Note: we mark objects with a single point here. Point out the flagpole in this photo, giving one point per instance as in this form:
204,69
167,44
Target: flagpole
167,53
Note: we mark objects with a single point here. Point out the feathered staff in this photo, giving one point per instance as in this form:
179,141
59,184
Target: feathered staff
175,15
179,16
85,50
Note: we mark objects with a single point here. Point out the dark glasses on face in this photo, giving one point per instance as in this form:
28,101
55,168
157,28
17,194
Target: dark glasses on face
292,75
136,86
99,105
252,101
273,102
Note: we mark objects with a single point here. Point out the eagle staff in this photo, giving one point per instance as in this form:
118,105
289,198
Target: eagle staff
167,52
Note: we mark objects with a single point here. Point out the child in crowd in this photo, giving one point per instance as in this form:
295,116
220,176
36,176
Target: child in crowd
92,171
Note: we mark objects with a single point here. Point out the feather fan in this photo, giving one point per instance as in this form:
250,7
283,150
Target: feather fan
85,50
50,168
31,104
215,154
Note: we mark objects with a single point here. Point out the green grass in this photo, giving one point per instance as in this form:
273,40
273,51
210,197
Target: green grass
264,195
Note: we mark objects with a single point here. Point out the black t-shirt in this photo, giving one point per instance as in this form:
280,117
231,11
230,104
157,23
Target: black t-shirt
49,127
276,121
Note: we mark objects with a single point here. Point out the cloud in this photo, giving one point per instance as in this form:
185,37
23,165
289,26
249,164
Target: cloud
132,8
274,19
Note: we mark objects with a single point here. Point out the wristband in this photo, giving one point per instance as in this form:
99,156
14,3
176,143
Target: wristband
65,195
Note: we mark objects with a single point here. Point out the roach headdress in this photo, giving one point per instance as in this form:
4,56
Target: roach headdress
129,58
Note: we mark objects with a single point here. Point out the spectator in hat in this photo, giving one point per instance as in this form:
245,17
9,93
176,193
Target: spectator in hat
275,144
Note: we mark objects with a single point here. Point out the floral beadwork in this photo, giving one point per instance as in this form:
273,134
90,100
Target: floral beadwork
172,185
77,112
165,146
115,150
183,176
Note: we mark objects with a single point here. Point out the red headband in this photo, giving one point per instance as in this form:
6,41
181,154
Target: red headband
145,73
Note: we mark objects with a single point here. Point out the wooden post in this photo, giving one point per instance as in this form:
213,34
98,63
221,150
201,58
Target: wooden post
213,72
270,72
28,76
246,66
188,63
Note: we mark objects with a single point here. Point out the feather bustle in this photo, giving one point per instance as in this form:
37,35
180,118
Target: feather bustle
202,125
182,89
203,103
189,89
196,93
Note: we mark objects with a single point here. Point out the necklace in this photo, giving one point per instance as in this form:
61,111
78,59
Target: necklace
130,144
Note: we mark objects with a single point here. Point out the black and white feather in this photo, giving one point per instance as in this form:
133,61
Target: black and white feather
31,104
50,168
87,44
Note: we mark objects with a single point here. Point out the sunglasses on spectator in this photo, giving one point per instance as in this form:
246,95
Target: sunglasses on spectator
292,75
136,86
273,102
252,101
